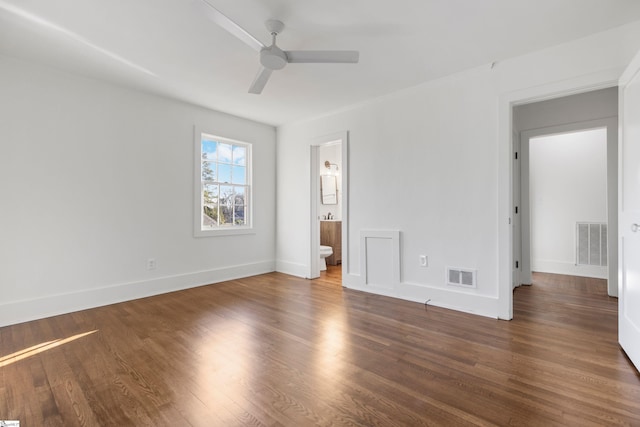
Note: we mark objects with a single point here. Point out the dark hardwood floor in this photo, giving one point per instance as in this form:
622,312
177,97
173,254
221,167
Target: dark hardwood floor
277,350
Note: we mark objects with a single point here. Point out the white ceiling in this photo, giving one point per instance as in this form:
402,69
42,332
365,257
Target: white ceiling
167,47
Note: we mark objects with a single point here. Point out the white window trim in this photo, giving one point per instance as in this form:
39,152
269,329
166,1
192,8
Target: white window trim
197,187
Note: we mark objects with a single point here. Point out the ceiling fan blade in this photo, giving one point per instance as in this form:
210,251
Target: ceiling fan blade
323,56
260,81
219,18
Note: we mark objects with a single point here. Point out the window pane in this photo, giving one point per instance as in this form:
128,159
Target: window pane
239,197
239,174
226,216
208,149
209,216
224,152
226,201
239,155
239,218
209,205
208,171
224,173
226,195
210,193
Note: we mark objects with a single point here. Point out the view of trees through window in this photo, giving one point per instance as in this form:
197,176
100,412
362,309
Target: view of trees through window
225,186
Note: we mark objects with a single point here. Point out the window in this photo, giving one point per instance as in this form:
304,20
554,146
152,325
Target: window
223,185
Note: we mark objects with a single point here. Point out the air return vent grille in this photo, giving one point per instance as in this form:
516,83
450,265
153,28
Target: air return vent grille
591,244
461,277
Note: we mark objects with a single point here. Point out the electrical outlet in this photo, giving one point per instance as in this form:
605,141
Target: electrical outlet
424,261
151,264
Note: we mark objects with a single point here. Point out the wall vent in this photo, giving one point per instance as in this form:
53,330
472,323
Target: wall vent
461,277
591,243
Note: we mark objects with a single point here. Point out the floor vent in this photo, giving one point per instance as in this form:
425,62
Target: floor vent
591,243
461,277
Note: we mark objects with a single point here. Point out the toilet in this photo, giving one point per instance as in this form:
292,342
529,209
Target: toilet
325,251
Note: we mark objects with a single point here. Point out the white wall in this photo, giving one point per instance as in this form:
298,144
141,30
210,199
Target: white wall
567,184
95,179
444,184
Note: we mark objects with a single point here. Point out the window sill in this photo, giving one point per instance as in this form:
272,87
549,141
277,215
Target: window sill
224,232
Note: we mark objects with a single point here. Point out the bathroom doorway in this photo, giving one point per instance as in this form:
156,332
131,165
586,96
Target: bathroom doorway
329,212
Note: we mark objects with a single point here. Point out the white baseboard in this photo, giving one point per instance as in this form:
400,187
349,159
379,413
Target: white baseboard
451,299
568,268
53,305
350,281
292,268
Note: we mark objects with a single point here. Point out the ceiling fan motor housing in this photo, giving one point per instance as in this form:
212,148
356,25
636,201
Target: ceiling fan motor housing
273,58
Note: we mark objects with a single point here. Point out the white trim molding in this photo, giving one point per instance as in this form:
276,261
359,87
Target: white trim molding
53,305
390,238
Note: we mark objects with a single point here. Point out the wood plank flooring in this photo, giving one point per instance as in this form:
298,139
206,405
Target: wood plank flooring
274,350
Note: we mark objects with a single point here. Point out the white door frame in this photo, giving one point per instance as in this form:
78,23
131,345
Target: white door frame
585,83
517,210
314,220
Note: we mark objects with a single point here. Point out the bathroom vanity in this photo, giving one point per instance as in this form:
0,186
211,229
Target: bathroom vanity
331,235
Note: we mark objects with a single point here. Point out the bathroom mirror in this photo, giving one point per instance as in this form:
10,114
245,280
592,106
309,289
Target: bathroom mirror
328,190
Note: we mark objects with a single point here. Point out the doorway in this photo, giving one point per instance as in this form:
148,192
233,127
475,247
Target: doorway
329,205
567,195
566,115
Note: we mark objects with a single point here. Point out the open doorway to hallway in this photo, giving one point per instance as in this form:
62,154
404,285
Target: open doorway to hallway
568,203
557,222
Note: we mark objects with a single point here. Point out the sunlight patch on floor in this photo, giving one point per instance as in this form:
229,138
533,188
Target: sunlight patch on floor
39,348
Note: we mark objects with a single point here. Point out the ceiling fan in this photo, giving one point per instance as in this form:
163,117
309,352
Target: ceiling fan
272,57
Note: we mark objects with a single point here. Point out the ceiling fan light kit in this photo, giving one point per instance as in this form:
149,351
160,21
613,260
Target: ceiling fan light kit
272,57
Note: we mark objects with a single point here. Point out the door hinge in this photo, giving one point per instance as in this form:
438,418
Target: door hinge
516,155
516,209
517,264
